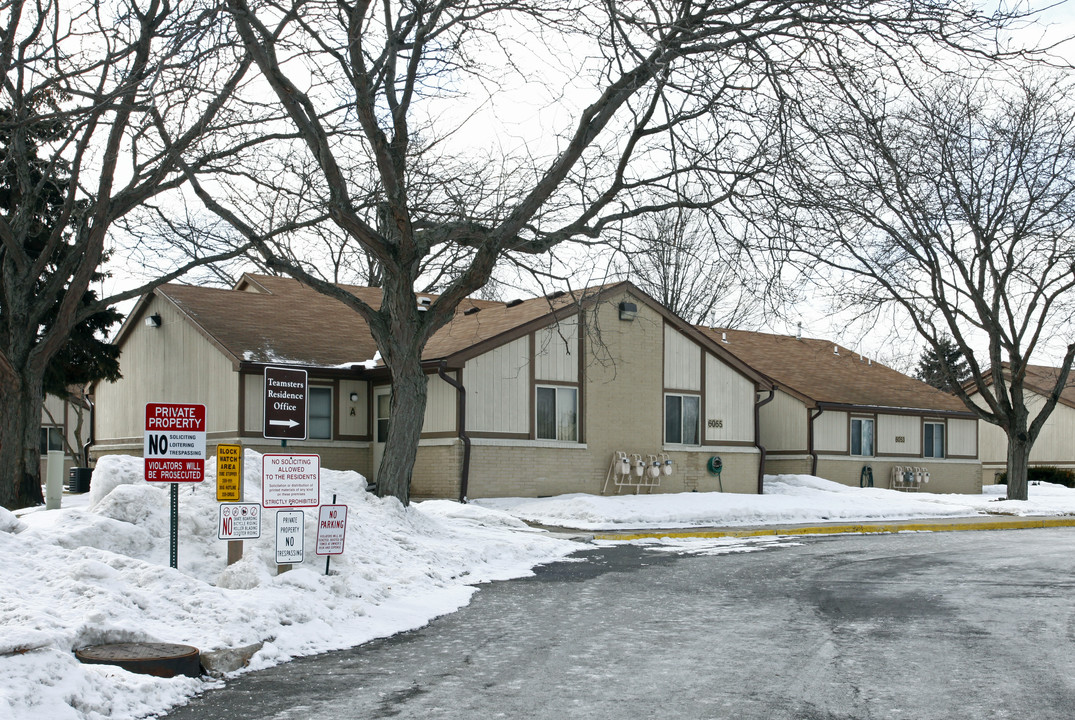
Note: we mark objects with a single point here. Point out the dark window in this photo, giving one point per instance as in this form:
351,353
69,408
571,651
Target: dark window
51,439
933,445
681,413
862,437
557,411
320,419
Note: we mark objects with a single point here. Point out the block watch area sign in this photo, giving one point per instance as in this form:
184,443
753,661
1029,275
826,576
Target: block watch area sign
286,392
174,448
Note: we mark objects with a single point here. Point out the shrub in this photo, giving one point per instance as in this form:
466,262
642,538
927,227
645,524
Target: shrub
1045,473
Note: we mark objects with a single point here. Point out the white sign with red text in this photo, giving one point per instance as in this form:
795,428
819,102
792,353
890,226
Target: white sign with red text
331,529
290,481
174,449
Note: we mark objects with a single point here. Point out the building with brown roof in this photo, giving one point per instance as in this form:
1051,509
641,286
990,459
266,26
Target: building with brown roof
536,397
835,413
1055,445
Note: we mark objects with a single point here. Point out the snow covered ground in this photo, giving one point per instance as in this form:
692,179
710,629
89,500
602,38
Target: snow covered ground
788,499
97,571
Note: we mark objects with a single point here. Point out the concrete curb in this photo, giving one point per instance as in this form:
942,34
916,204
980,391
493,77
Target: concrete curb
942,525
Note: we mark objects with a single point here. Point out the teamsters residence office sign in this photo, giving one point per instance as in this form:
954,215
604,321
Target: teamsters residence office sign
286,392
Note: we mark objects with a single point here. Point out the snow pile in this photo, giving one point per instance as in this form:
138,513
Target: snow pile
788,499
100,574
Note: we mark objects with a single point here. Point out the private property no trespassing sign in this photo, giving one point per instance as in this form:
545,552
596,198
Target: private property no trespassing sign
174,448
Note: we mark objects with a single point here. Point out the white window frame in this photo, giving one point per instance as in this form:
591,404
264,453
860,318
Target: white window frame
560,392
873,437
682,416
928,451
309,418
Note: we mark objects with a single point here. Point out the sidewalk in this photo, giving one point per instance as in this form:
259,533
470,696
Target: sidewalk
977,522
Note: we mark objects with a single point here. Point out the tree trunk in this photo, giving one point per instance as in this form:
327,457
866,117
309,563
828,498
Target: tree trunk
1018,462
20,424
409,385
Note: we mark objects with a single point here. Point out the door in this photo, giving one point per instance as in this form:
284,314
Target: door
382,407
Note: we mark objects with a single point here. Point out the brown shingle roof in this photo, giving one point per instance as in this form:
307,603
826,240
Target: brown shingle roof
281,320
810,369
1042,379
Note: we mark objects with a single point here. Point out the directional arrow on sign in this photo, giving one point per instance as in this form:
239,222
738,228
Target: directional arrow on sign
285,423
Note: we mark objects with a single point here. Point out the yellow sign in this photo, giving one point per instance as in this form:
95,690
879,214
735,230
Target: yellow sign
229,473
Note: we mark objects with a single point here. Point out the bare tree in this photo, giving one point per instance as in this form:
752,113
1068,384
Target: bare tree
100,104
695,267
954,201
678,98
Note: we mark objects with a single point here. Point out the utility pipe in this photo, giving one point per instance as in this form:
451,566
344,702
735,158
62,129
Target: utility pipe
461,423
810,439
757,438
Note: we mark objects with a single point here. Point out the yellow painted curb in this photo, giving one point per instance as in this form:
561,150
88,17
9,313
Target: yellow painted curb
893,527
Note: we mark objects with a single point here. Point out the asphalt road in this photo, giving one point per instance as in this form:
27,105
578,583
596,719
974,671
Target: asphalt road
930,625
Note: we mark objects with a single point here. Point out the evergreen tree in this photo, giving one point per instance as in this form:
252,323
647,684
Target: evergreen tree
85,357
932,370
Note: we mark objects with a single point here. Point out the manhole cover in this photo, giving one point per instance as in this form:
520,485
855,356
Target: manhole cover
160,659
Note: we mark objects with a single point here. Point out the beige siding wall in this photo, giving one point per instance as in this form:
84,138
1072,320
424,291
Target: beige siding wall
172,363
253,402
354,417
946,476
682,361
962,437
556,351
899,434
729,402
783,423
830,432
441,401
1055,445
498,389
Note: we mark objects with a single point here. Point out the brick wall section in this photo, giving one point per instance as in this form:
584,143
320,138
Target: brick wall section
946,477
437,471
776,465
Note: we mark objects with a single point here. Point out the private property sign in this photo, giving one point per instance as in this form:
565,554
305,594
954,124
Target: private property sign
290,481
174,449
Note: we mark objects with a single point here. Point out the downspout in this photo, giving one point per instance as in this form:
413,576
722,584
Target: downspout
810,440
757,438
461,422
93,431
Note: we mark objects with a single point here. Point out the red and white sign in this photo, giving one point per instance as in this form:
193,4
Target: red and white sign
290,481
331,529
174,448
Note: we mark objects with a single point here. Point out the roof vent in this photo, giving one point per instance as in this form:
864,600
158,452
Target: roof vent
555,295
724,337
472,310
424,303
835,350
799,331
516,301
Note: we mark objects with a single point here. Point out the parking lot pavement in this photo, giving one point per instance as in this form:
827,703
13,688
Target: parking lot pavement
907,625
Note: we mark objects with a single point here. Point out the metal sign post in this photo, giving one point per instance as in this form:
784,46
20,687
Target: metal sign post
174,452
